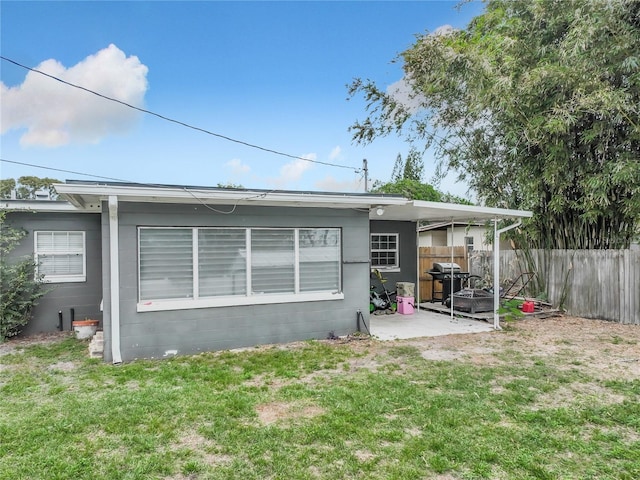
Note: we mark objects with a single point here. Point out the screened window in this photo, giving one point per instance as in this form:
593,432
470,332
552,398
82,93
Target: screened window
60,256
384,250
201,263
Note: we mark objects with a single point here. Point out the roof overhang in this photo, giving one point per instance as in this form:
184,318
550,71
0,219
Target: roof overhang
87,195
38,206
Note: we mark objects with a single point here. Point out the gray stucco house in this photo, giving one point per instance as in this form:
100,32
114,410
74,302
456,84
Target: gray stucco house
178,270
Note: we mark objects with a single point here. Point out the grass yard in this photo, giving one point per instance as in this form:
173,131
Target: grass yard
544,399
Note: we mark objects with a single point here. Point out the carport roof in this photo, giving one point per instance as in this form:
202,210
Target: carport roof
418,210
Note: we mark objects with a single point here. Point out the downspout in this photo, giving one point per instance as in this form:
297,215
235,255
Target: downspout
496,268
114,279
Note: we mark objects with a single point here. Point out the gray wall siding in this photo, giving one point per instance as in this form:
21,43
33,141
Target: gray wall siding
408,250
155,334
83,297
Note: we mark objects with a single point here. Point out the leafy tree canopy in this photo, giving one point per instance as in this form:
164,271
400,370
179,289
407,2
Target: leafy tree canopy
27,186
406,181
536,104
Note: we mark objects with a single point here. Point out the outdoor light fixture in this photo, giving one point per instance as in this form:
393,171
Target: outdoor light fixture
379,211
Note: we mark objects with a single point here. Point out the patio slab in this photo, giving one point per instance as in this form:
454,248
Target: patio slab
422,324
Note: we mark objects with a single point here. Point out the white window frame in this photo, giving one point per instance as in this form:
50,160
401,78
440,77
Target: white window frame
248,298
386,268
53,278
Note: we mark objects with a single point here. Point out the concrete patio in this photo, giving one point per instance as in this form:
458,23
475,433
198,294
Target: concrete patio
422,323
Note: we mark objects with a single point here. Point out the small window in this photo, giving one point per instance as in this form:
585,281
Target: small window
60,256
468,243
384,251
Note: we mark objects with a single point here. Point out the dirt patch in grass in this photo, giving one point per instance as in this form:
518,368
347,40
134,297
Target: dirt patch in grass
16,344
275,412
208,450
603,349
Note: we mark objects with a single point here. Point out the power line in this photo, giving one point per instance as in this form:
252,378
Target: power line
168,119
64,171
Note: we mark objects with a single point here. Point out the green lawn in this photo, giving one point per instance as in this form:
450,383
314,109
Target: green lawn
358,410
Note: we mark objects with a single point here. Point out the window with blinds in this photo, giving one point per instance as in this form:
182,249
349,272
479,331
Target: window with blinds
200,263
222,262
166,263
319,259
60,256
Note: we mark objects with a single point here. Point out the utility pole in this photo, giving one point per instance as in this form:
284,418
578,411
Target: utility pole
366,175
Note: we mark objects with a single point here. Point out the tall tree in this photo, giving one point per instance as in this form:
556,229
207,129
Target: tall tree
7,185
536,104
26,187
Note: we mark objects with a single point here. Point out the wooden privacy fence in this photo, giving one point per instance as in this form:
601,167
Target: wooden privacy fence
602,284
429,255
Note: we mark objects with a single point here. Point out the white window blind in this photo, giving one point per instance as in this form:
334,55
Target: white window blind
222,262
60,256
384,250
166,263
213,263
272,261
319,259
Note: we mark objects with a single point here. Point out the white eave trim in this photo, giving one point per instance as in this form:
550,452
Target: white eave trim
39,206
83,194
473,211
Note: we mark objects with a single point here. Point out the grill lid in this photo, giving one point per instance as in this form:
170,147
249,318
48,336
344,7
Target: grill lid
446,267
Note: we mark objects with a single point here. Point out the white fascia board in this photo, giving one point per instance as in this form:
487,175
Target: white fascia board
39,206
418,210
435,211
471,212
85,194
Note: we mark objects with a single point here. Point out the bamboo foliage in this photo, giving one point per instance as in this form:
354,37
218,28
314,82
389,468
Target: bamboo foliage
536,105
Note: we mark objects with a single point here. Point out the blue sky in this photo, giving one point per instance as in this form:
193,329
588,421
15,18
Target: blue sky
273,74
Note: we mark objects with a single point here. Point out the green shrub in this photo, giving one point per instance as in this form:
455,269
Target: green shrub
20,288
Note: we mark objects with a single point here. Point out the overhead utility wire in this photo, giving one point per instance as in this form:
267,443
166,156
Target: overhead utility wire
64,171
168,119
186,189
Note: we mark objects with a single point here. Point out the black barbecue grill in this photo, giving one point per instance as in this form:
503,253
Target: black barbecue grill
448,275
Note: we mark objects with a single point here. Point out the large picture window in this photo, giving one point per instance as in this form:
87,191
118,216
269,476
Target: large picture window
384,251
60,256
197,267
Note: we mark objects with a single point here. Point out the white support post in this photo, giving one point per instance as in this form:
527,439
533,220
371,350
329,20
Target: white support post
496,268
114,276
496,275
416,300
451,281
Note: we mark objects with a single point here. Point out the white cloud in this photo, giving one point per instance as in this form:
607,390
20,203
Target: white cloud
335,153
292,172
55,114
237,167
403,93
444,30
330,184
